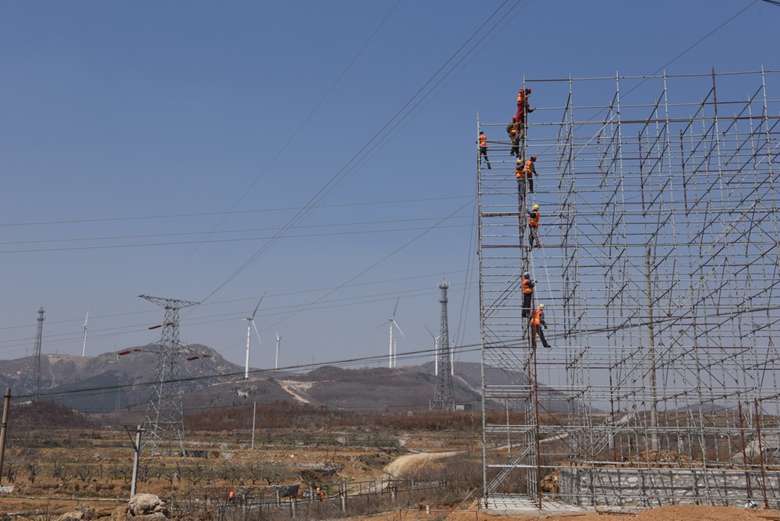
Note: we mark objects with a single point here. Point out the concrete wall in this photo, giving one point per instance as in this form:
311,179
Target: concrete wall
646,488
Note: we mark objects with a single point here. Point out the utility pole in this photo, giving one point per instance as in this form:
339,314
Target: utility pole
164,413
136,458
444,396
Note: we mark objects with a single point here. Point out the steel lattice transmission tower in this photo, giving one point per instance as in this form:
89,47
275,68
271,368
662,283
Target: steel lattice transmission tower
34,382
164,421
444,396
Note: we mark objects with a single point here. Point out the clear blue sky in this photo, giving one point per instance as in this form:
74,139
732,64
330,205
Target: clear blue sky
156,147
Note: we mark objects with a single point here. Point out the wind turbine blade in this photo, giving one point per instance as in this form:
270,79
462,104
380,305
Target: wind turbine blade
258,305
256,333
396,305
429,332
398,328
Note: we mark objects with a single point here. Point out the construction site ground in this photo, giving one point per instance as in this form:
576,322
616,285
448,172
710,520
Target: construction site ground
413,451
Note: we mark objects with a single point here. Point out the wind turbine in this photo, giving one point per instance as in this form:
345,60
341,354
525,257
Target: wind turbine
84,347
278,342
393,323
435,352
250,323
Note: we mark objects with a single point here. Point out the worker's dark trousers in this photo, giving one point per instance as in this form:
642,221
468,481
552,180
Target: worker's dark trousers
515,147
483,152
521,188
537,329
533,236
526,305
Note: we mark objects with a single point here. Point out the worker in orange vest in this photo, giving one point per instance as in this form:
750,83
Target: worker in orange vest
520,176
527,285
523,108
529,171
533,226
483,148
537,322
513,132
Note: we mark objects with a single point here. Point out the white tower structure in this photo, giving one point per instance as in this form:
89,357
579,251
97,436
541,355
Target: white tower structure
250,323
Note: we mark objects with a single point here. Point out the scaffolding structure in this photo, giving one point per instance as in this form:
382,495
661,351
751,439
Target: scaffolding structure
659,269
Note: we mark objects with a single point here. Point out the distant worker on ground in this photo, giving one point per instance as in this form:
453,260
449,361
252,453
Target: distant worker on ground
483,148
523,109
537,323
533,226
320,494
528,293
514,136
529,171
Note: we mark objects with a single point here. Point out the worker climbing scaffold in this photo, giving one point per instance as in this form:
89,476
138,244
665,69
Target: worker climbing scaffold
537,324
529,171
482,142
523,109
512,131
533,227
527,286
520,176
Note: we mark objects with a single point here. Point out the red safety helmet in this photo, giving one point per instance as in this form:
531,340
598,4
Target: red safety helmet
533,158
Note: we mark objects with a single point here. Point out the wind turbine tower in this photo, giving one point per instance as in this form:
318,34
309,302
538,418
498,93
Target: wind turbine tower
164,421
84,347
444,397
250,323
435,352
278,343
394,324
34,382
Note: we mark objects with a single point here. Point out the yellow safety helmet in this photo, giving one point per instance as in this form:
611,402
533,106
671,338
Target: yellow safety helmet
536,207
541,306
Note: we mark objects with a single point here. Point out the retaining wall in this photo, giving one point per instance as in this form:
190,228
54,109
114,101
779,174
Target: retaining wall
647,488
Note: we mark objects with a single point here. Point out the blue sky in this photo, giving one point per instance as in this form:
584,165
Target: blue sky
159,147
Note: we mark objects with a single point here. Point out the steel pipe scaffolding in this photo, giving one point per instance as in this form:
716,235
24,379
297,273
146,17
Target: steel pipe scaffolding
659,268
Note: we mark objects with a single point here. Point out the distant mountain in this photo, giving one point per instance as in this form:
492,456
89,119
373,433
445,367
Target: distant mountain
123,381
112,381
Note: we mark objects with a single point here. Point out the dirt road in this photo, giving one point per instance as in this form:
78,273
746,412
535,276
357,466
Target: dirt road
410,462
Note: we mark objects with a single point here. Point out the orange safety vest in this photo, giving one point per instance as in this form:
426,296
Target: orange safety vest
520,96
527,288
537,317
533,219
528,168
483,140
519,171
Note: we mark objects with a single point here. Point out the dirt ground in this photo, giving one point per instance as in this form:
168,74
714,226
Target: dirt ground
670,513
